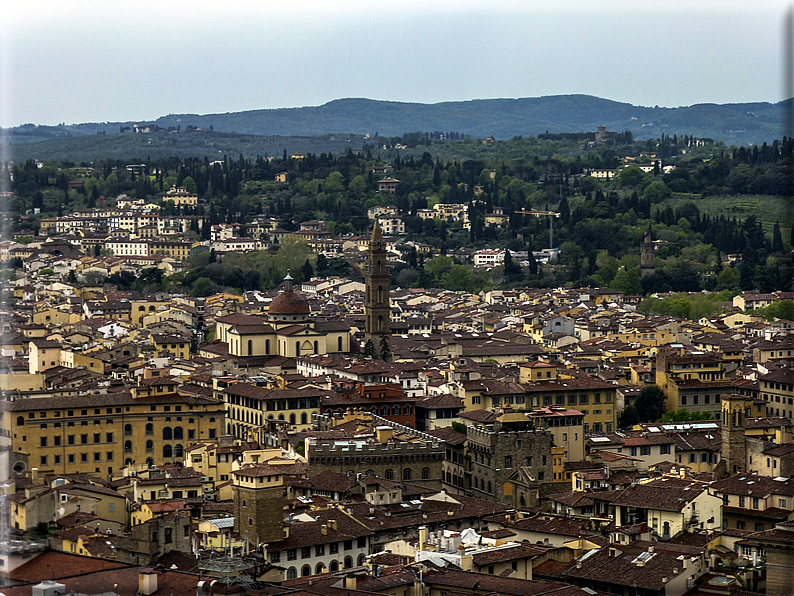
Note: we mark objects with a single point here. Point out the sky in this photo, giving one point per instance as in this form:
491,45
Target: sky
88,61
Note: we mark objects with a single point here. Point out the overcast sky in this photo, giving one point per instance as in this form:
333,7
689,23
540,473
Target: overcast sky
89,61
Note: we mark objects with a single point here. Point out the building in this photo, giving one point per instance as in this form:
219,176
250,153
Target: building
377,307
497,453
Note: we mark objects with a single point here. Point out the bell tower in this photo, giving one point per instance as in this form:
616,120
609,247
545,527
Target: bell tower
377,307
647,263
734,446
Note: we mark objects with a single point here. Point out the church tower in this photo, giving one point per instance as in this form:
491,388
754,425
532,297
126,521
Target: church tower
376,306
734,446
647,263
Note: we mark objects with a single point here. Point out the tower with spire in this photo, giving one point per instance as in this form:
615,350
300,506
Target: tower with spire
377,308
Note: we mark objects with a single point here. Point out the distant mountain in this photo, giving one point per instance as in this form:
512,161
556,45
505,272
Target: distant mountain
501,118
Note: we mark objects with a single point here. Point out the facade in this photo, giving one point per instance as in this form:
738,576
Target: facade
102,433
495,455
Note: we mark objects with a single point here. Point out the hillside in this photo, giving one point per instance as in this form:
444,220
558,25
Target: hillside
738,124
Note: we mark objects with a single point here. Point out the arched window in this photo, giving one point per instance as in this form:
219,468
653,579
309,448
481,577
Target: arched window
167,451
306,570
369,473
150,461
281,416
408,410
297,349
149,446
407,474
425,473
319,568
128,461
128,430
334,566
316,347
374,410
178,433
167,433
489,487
292,418
395,411
292,573
361,559
179,451
267,346
150,429
20,421
250,347
339,343
127,446
384,411
380,323
348,562
304,418
389,474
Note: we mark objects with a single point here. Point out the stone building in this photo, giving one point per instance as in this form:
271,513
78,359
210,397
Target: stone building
393,452
497,453
377,306
734,444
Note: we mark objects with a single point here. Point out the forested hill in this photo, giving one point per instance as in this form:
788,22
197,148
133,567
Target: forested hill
737,124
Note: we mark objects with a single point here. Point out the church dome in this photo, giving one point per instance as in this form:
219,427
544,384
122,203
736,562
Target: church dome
289,303
289,306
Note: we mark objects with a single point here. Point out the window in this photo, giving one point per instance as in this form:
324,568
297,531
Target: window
108,437
43,441
83,439
275,557
645,450
319,550
664,449
292,554
407,474
508,461
389,474
742,501
97,456
109,456
70,458
333,548
425,473
97,437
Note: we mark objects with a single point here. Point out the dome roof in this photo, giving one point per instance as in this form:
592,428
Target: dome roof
289,303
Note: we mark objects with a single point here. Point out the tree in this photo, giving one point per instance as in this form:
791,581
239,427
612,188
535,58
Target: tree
369,349
656,192
628,417
307,271
385,350
627,281
203,286
777,239
650,403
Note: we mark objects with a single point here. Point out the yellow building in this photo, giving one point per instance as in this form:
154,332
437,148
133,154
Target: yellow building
101,434
43,354
176,345
181,196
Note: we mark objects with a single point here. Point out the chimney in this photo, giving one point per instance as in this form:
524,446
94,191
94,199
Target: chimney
640,563
650,548
422,537
324,530
147,583
350,581
332,524
383,433
286,532
466,559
